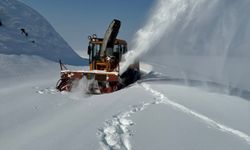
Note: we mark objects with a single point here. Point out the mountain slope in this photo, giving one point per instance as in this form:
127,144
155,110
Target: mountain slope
24,31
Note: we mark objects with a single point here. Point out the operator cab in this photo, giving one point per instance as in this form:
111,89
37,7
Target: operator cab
114,54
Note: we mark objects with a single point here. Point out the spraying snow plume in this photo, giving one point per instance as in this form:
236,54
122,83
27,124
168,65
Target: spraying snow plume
165,13
199,40
79,89
208,42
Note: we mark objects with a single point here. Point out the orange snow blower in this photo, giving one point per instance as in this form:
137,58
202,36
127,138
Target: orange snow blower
103,75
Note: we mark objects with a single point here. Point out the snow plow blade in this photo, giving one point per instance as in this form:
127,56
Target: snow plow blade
97,81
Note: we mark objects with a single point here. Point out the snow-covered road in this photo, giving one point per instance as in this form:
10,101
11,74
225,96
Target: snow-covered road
149,115
116,133
219,139
34,116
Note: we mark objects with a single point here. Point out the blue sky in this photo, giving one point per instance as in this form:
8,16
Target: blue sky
76,19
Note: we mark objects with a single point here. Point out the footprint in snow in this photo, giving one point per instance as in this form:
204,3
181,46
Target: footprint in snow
46,91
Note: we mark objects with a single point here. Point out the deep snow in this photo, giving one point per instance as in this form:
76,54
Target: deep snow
148,115
157,112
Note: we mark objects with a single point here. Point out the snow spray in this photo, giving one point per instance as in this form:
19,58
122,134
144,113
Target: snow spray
164,14
79,89
206,41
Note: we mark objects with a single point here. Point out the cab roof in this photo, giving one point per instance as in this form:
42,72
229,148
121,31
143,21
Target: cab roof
100,40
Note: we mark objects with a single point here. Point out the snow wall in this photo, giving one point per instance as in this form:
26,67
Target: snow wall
205,40
23,31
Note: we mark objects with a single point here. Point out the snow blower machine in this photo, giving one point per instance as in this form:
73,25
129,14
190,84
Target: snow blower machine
103,75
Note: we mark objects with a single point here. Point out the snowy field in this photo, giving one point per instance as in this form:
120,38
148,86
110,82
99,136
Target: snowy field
146,115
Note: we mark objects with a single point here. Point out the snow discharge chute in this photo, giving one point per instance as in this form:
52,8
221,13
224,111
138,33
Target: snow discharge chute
110,36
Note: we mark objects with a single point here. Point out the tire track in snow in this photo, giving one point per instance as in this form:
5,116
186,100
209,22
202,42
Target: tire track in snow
164,100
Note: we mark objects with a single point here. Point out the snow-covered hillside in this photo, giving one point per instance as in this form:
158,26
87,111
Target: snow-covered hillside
23,31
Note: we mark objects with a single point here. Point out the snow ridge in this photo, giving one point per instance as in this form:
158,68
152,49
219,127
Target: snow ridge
164,100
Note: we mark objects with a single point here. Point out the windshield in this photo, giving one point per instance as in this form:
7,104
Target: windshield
97,49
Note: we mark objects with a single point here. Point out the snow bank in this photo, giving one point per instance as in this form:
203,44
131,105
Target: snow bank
20,69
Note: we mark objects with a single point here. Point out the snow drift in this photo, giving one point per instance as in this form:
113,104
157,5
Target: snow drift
24,31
